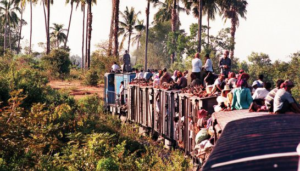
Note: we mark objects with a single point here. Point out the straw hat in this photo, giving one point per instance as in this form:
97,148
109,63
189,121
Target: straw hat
226,88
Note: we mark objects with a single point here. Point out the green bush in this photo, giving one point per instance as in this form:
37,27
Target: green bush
91,78
57,63
4,90
107,164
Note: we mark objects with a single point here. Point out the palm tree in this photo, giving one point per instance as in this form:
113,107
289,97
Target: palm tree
22,4
10,17
82,4
147,29
197,8
232,9
116,29
71,13
58,34
169,11
128,25
166,12
210,8
139,28
111,32
89,31
48,26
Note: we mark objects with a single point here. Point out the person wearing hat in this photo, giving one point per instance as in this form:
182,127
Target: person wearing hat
224,101
284,101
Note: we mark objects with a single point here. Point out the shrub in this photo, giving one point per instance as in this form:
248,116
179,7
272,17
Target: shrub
57,63
107,164
4,90
91,78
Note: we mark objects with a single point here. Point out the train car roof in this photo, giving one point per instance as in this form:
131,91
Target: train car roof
258,143
223,118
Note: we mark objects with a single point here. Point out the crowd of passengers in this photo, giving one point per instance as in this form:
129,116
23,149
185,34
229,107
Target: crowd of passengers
233,90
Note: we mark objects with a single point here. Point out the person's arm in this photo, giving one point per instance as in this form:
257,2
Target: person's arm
295,107
221,63
229,65
219,87
200,64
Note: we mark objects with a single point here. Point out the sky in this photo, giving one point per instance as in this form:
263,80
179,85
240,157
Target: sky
271,27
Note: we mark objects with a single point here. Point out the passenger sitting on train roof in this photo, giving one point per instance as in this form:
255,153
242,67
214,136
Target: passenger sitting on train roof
139,75
181,81
166,77
174,76
196,81
115,67
219,84
284,101
261,93
270,96
210,79
185,73
148,75
242,78
258,83
224,101
241,97
231,81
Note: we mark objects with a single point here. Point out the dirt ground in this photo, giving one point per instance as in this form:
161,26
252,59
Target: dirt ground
77,89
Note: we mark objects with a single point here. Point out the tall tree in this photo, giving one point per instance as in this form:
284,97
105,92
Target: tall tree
70,19
58,34
116,29
147,29
210,9
10,18
128,25
169,10
89,31
82,4
111,32
232,9
48,26
197,8
22,5
140,28
165,9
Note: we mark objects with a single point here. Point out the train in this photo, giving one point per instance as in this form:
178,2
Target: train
156,110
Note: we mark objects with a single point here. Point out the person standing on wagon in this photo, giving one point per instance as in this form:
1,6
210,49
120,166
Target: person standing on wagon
126,61
225,64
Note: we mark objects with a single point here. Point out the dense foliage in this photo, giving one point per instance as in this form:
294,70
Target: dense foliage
44,129
57,63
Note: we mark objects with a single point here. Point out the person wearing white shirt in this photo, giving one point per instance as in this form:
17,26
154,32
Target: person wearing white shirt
208,64
122,92
261,93
115,67
141,74
197,65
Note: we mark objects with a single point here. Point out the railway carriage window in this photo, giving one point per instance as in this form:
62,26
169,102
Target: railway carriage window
111,81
